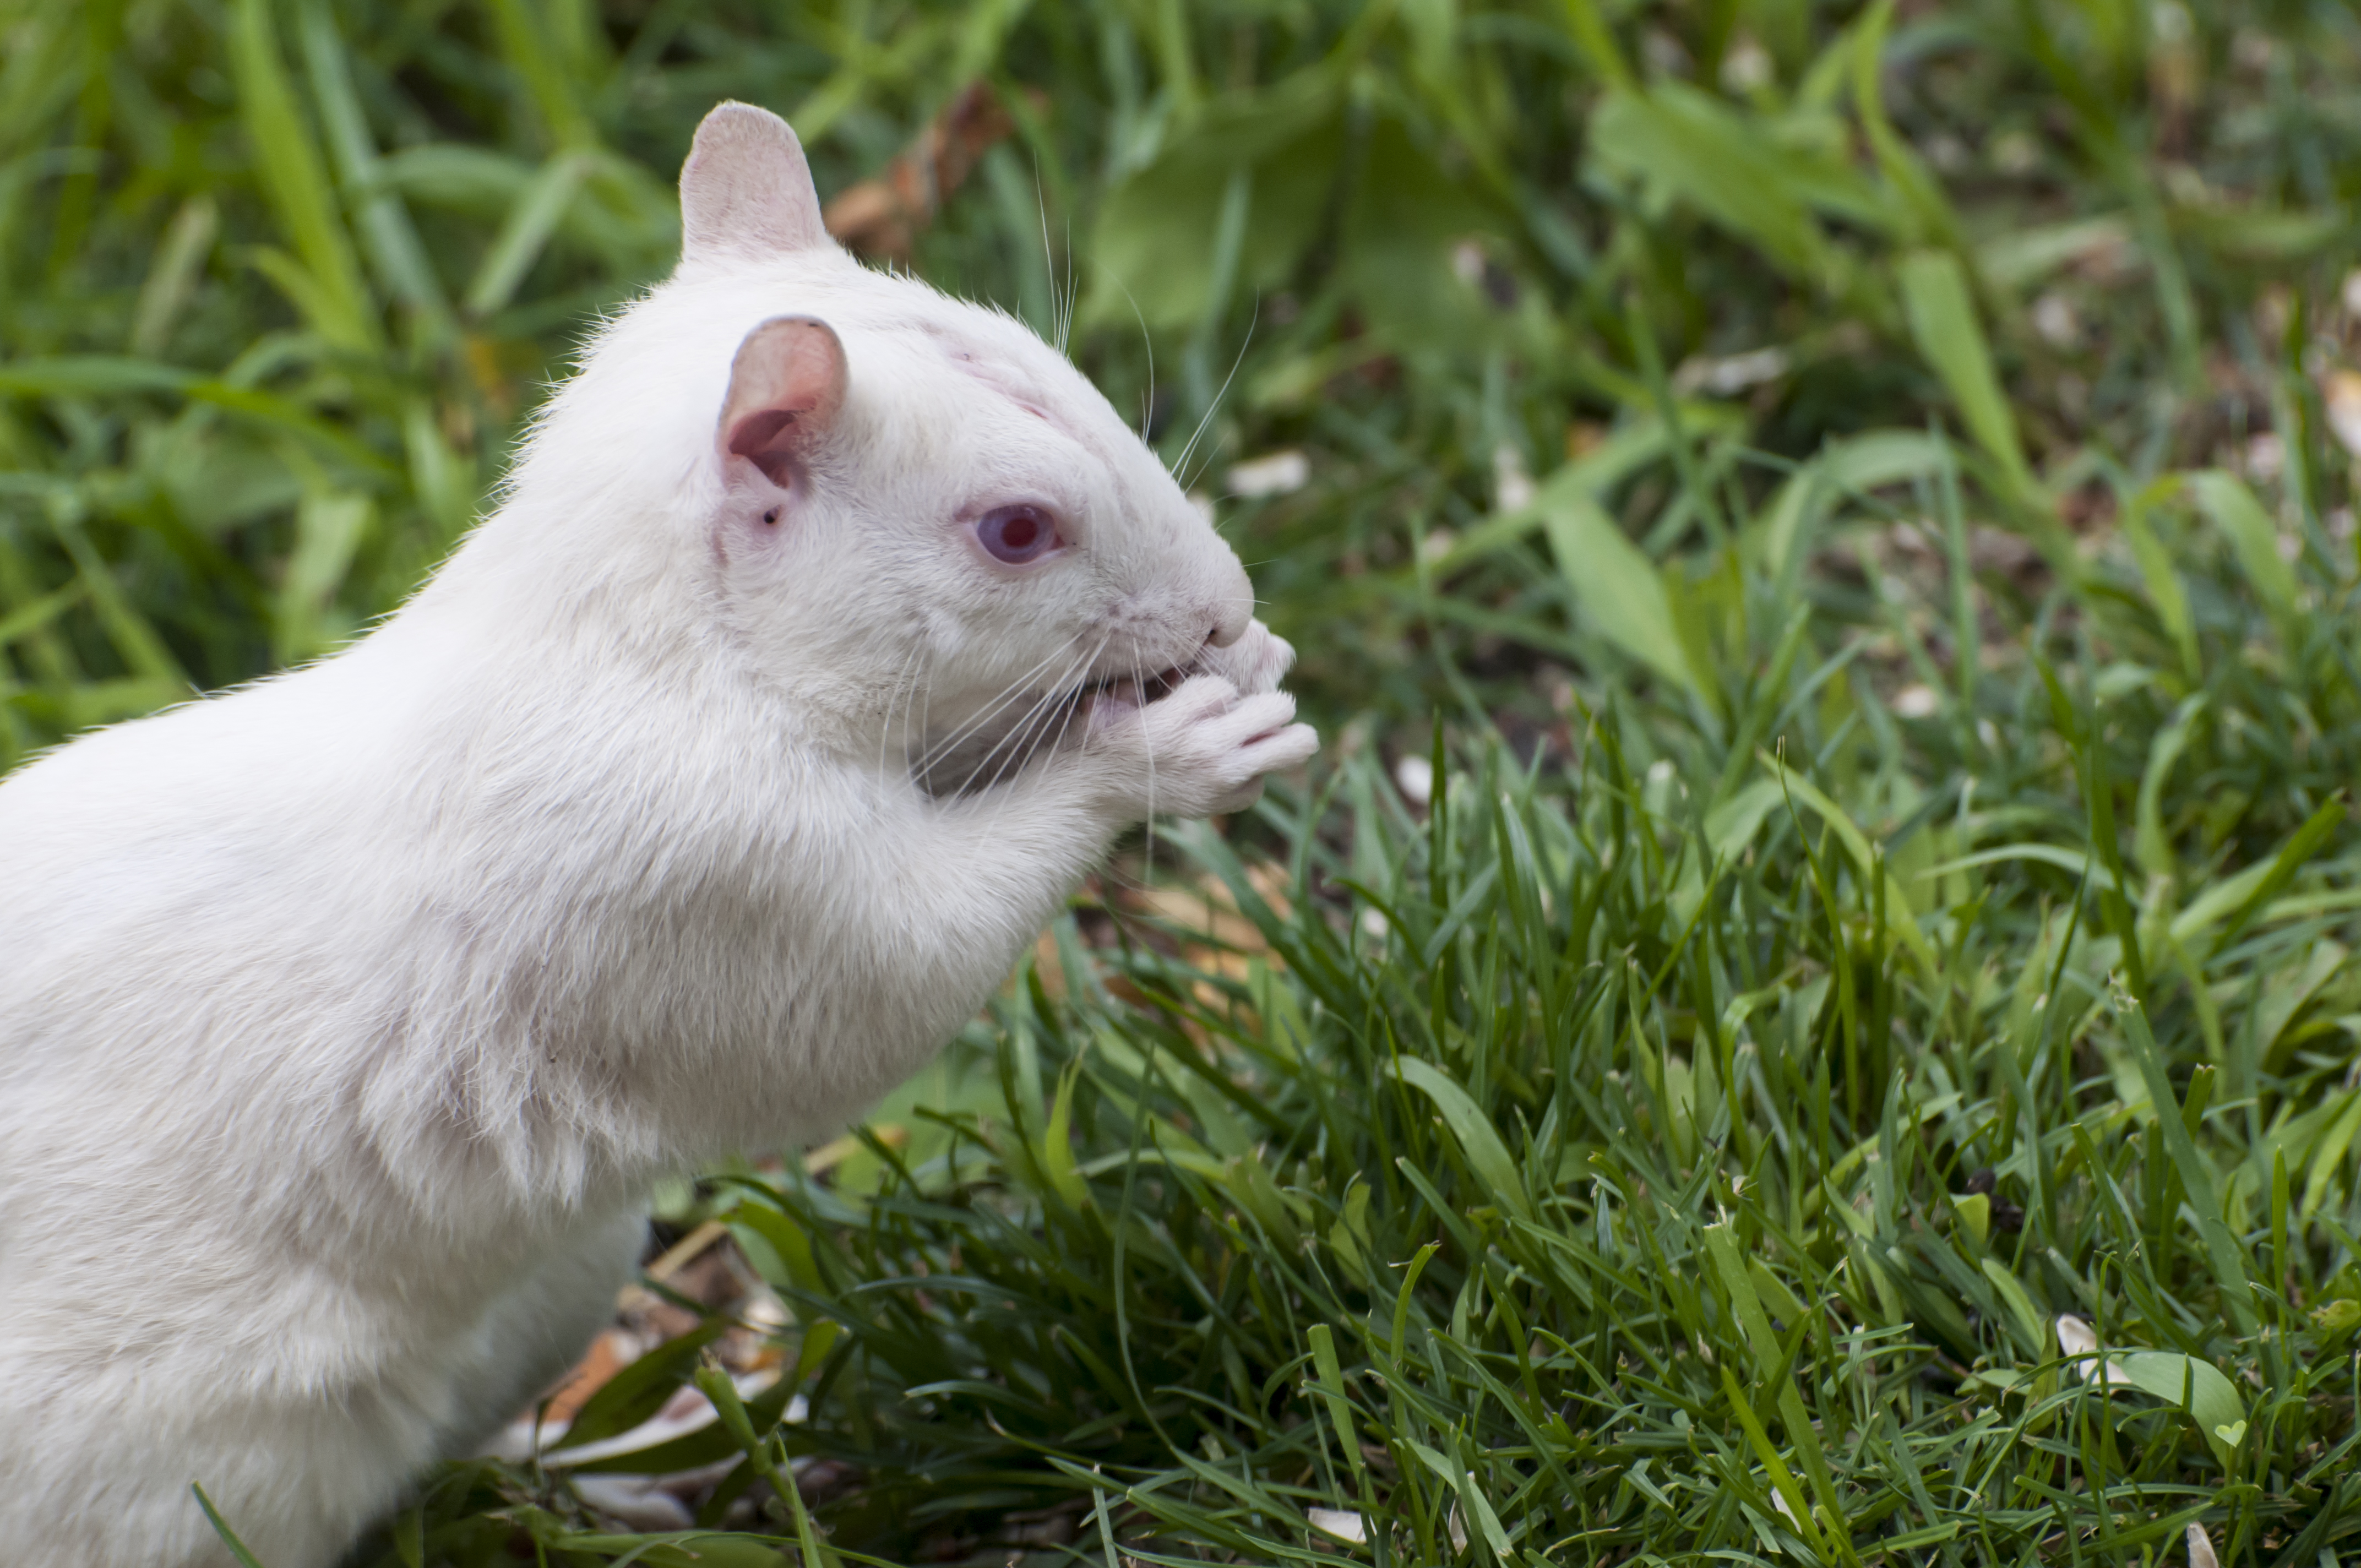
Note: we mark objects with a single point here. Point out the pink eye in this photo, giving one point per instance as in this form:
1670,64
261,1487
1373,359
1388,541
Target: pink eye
1017,534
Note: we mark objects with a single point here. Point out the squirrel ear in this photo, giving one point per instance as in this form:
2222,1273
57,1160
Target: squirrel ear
786,387
745,190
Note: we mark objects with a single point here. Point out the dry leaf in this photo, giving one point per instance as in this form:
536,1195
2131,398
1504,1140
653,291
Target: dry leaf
613,1350
882,216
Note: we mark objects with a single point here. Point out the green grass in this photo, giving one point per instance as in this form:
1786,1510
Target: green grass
1889,882
1654,1155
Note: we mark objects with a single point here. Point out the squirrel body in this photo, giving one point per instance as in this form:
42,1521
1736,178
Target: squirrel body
718,777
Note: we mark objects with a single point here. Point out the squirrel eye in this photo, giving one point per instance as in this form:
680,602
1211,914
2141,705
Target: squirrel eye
1017,534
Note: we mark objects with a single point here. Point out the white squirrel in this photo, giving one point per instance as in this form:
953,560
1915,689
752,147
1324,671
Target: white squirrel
810,659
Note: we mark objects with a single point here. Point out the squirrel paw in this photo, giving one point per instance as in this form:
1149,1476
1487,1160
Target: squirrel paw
1255,663
1201,752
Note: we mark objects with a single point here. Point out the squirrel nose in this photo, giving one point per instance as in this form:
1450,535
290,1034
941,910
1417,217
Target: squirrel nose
1232,612
1231,623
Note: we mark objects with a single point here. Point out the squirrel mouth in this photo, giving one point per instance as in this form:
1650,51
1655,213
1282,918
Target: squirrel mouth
1137,690
983,754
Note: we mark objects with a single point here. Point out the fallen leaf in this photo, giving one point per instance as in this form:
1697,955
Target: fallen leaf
882,216
613,1350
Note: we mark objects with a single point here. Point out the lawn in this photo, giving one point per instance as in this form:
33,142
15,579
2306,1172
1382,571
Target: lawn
1808,1010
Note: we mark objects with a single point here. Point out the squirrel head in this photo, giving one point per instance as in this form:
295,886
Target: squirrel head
907,513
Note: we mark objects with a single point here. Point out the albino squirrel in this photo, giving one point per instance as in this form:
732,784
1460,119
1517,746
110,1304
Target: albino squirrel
811,657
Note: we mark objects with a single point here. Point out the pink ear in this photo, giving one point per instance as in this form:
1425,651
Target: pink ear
786,387
746,192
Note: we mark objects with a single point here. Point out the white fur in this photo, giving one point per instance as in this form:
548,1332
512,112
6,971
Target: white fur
346,1018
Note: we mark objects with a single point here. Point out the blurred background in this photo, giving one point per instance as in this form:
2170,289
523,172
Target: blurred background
280,282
